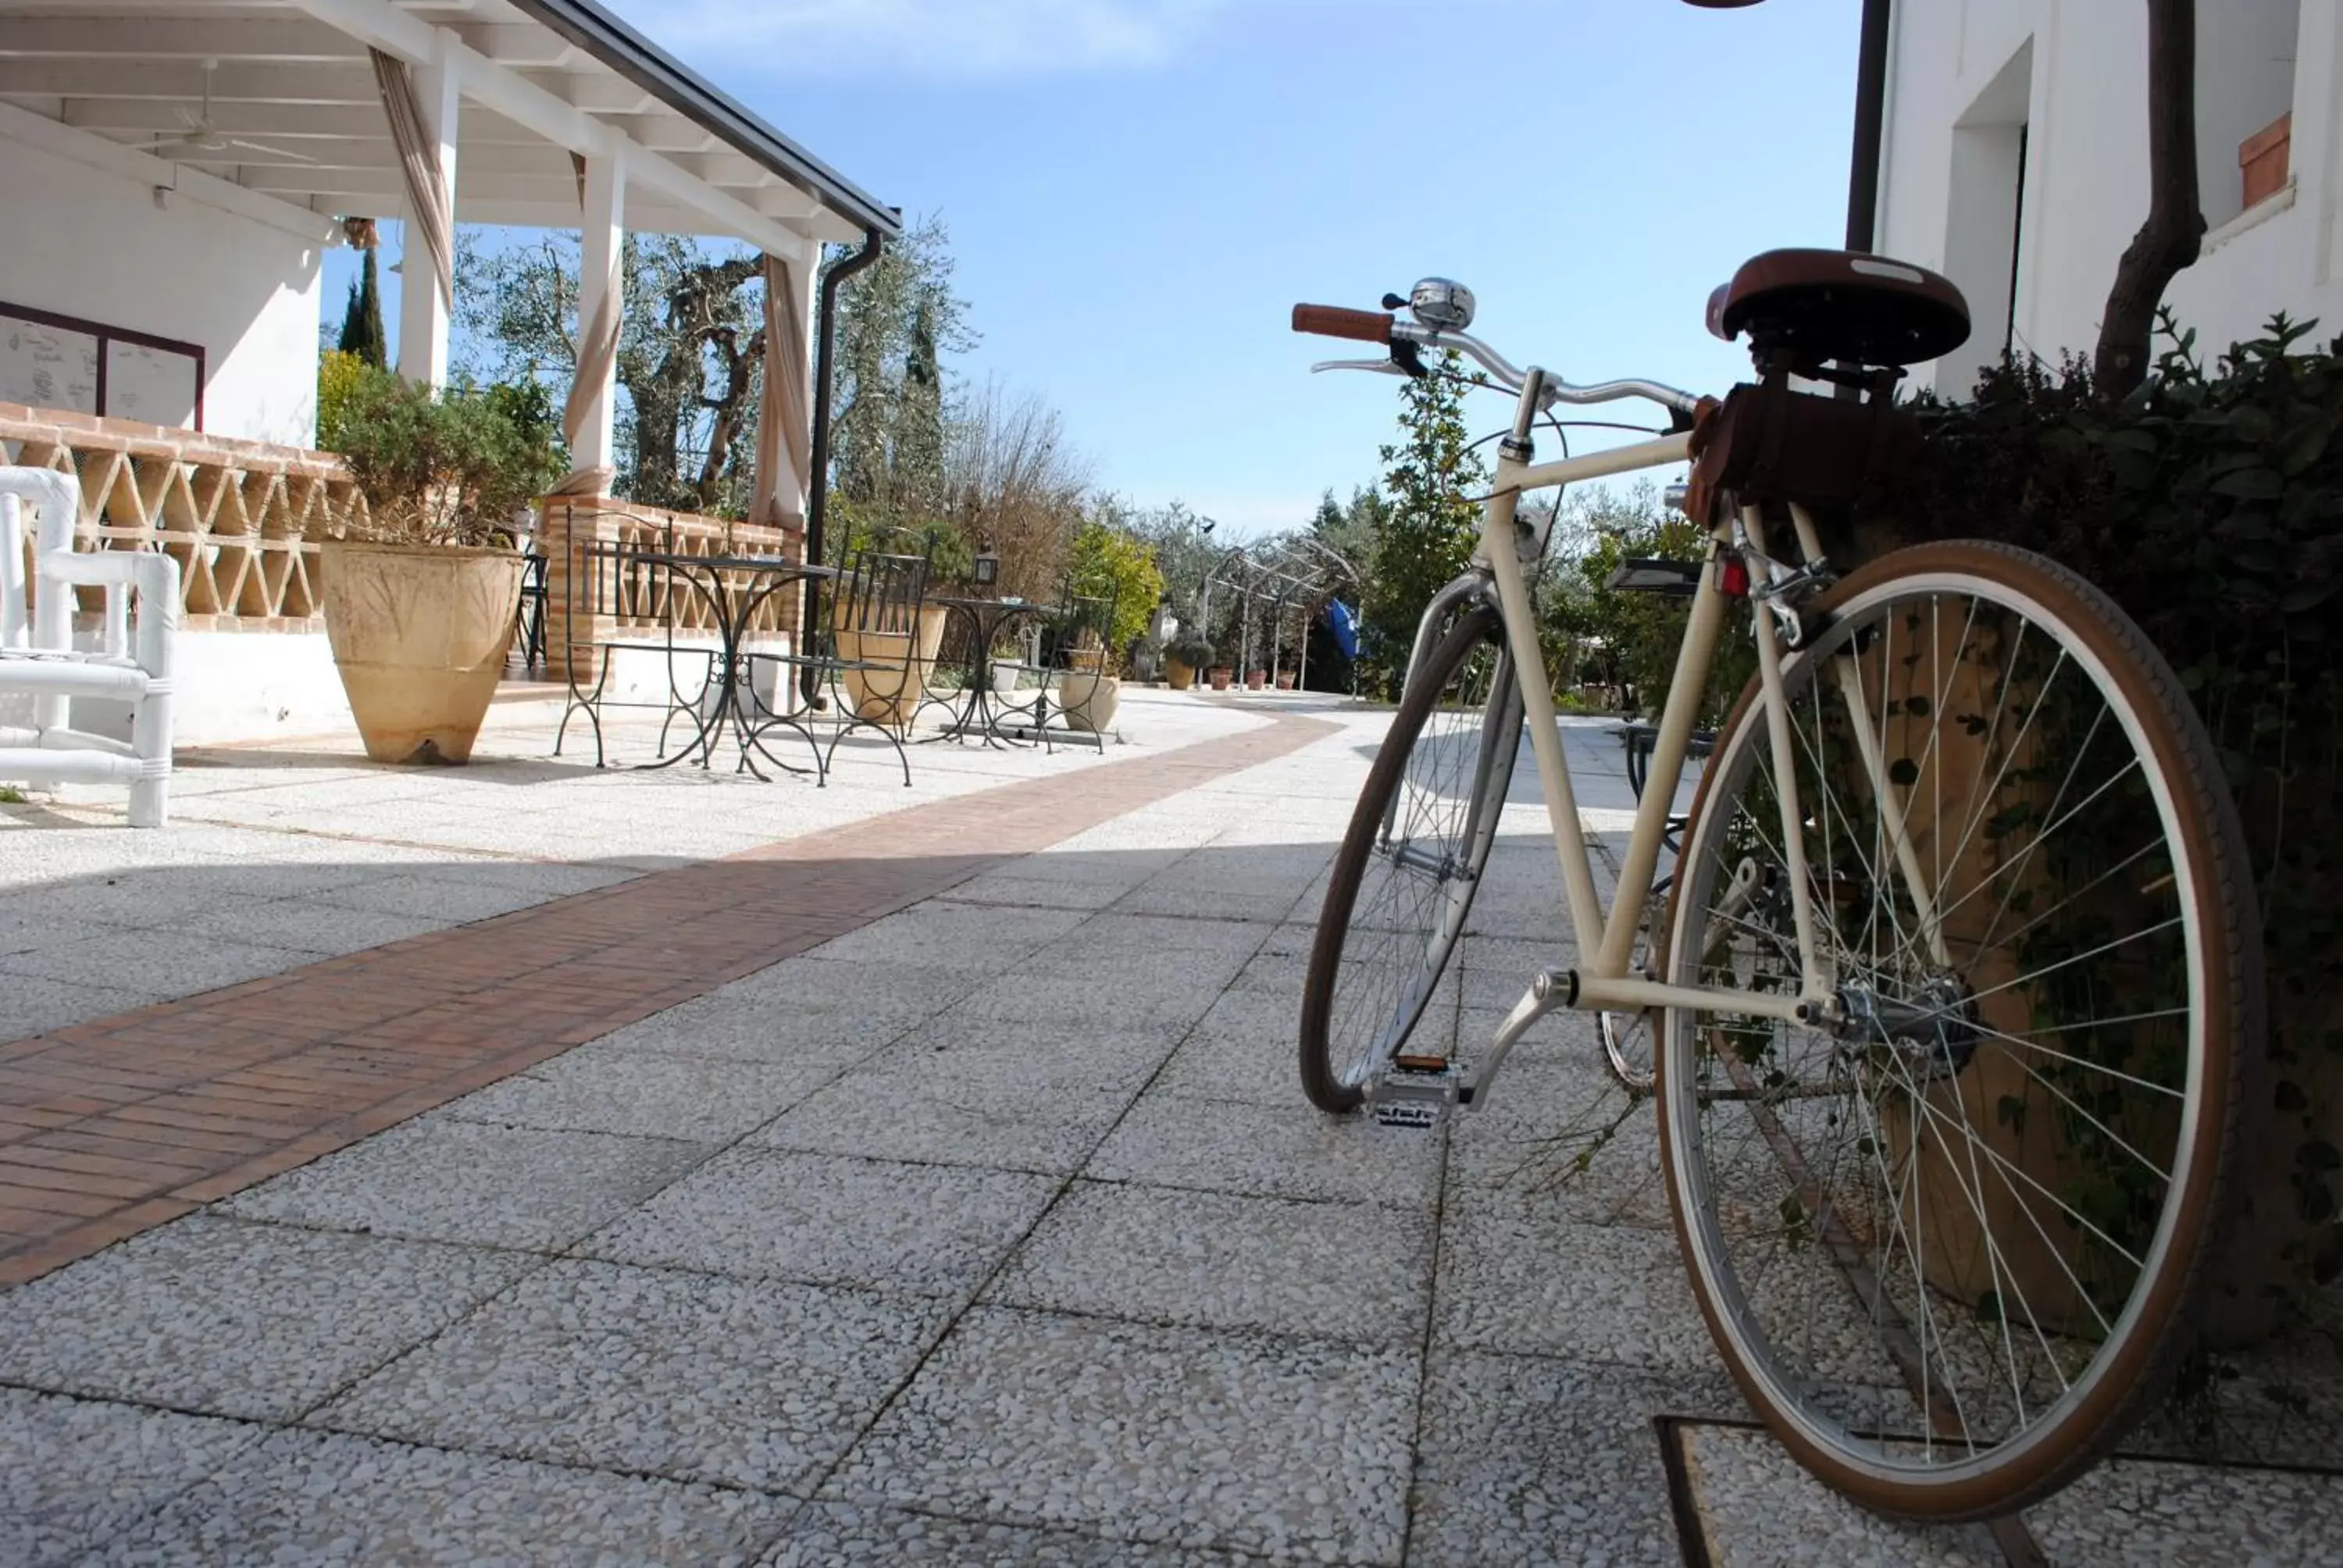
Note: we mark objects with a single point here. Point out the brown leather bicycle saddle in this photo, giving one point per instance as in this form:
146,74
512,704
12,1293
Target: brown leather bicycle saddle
1841,304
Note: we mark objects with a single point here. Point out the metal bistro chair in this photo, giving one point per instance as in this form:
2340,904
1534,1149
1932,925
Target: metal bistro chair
618,602
868,654
1074,640
531,610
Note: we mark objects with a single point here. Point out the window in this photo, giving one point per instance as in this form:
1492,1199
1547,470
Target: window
1986,218
2245,99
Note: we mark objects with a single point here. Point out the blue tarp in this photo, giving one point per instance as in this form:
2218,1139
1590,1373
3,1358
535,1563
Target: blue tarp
1345,624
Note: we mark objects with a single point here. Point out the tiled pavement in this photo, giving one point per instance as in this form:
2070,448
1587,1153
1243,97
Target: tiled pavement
112,1125
993,1231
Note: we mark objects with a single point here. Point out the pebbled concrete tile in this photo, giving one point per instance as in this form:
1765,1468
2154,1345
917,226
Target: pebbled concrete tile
1534,1461
921,1229
1160,1436
753,1383
1282,1150
30,1007
1037,1053
1355,1272
832,1534
75,1474
308,1497
908,1111
1518,1276
438,1178
181,966
232,1319
690,1099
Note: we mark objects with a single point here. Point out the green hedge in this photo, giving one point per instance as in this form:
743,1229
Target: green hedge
2211,507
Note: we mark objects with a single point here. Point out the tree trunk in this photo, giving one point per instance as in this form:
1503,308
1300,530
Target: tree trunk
730,416
2169,240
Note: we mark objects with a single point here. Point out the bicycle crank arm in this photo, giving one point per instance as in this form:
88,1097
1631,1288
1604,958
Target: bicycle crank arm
1549,990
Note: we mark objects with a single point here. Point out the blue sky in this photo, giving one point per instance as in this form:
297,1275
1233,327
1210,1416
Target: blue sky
1138,190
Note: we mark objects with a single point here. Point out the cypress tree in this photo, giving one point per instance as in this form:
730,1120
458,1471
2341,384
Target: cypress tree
362,329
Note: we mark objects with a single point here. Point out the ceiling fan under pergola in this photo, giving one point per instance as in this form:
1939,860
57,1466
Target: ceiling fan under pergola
203,139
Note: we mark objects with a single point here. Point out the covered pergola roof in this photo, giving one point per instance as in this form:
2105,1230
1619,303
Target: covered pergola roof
541,80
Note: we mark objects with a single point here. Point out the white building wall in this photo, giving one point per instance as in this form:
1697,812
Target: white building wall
2085,164
88,241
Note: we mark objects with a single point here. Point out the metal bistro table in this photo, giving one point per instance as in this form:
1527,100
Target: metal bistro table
735,588
987,619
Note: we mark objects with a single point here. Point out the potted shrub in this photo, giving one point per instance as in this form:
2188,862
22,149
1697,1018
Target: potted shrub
420,599
1284,680
1219,676
1255,680
1188,653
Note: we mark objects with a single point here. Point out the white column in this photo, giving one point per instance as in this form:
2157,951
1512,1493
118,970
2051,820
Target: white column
603,251
423,312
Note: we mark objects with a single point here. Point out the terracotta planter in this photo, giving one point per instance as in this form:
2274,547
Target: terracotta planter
1179,675
890,696
1255,680
1219,677
419,634
1284,680
1089,699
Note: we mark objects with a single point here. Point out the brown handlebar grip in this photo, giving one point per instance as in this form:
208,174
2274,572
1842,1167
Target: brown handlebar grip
1333,321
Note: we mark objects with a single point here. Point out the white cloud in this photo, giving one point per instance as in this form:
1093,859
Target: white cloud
923,37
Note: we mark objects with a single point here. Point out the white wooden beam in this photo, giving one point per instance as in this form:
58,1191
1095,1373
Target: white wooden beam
182,82
596,92
288,39
525,103
32,130
294,122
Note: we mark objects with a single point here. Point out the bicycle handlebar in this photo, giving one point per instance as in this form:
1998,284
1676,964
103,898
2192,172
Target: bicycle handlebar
1383,327
1333,321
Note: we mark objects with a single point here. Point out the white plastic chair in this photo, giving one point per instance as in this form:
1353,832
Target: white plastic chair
131,664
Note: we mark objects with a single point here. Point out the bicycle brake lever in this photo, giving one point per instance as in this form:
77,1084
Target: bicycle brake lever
1381,366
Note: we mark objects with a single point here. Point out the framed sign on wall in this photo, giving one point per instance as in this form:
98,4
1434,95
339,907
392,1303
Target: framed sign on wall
53,361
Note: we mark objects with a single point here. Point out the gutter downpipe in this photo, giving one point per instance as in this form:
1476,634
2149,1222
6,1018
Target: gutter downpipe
874,244
1870,125
1870,134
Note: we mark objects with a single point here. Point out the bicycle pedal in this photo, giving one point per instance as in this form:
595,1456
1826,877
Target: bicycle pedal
1416,1092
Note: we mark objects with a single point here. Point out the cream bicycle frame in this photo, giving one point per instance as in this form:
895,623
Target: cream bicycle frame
1602,982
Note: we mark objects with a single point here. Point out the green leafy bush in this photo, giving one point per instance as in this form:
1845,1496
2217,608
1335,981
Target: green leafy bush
339,377
447,467
2211,507
1107,563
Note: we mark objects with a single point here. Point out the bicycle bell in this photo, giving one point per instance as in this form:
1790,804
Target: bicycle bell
1441,304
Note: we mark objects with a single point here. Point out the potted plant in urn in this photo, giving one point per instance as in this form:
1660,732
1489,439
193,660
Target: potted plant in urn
420,599
1090,689
1187,653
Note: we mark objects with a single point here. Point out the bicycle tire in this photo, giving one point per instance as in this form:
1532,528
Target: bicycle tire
1333,1078
2107,1367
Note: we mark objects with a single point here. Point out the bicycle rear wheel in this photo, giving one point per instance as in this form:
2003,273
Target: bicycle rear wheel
1404,878
1950,1243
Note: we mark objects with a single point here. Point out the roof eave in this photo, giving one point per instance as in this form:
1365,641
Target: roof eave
634,56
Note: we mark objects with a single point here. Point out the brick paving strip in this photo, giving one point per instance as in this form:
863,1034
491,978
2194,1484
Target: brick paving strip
111,1127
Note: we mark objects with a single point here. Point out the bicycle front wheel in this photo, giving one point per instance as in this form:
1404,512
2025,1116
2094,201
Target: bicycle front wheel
1404,878
1949,1238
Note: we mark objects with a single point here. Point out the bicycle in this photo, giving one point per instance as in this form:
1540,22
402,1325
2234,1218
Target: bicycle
1955,998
